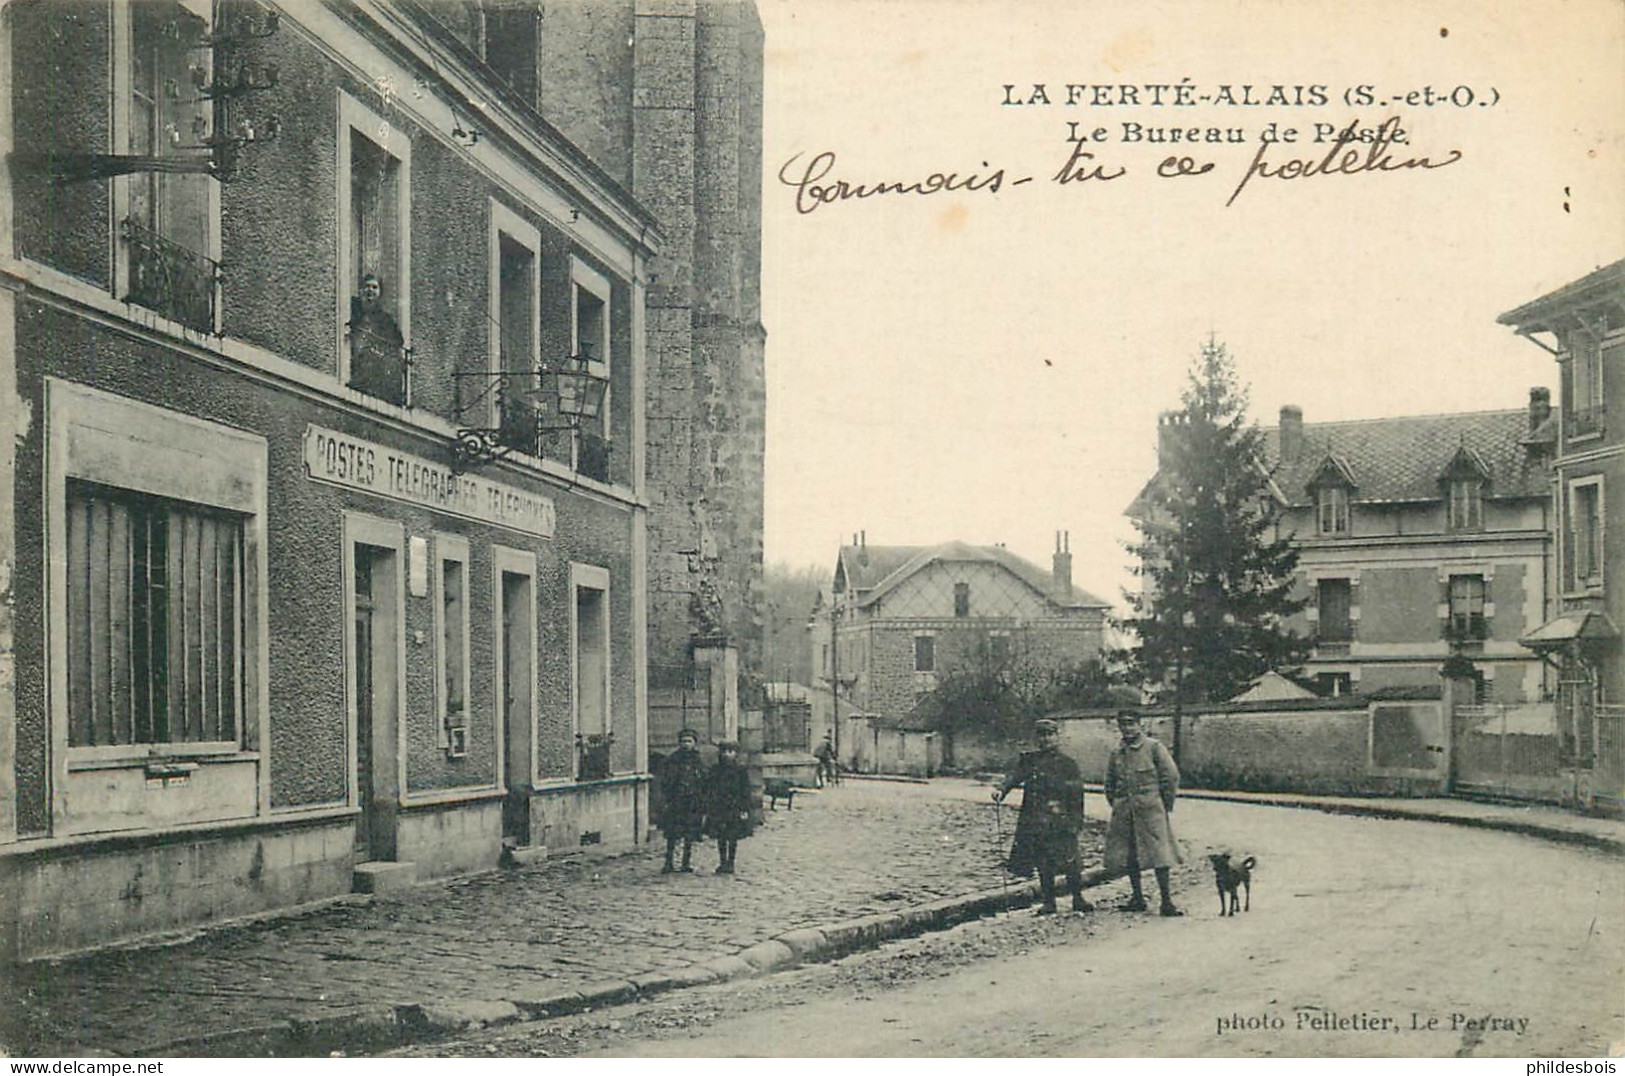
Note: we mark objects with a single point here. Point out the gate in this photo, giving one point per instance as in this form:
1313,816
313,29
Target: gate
1509,751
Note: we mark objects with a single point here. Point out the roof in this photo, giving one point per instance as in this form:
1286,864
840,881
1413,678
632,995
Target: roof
1403,459
872,571
1586,625
1543,314
1272,685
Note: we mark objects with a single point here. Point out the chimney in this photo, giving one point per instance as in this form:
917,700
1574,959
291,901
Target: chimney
1291,433
1063,562
1167,423
1540,407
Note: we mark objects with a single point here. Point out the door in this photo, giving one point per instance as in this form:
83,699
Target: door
518,674
376,705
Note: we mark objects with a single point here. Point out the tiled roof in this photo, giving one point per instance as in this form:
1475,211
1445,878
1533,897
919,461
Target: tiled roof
865,566
1402,459
872,570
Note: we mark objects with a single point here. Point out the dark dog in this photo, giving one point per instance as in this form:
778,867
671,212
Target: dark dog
778,788
1231,878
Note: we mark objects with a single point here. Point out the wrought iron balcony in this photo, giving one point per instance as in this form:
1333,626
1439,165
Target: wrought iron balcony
169,279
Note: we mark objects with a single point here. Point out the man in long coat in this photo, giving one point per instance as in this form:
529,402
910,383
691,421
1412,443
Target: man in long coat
1051,816
1141,783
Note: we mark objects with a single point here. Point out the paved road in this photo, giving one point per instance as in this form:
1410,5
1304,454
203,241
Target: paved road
1367,937
861,848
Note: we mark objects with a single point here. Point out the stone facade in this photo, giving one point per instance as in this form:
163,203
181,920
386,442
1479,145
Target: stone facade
902,616
366,643
1583,325
1417,537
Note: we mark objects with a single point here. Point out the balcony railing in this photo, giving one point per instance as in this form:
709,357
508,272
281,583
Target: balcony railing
169,279
1584,421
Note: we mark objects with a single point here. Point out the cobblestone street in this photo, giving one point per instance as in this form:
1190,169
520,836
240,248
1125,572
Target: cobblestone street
864,847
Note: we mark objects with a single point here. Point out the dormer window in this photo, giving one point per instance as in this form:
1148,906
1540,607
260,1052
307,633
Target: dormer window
1466,505
1332,509
1331,487
1463,482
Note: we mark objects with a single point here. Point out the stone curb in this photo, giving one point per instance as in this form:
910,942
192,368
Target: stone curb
392,1026
404,1024
1377,809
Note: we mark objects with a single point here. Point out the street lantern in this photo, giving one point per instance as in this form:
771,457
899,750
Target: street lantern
556,396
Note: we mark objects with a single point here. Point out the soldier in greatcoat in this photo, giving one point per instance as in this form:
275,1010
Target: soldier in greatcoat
1051,816
682,799
1141,783
727,814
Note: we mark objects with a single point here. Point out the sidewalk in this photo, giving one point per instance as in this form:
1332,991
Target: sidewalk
584,931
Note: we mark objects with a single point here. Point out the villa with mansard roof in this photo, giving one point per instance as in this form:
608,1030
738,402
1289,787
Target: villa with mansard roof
1418,536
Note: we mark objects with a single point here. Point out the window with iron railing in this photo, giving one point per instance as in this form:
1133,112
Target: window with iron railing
165,226
1467,608
169,279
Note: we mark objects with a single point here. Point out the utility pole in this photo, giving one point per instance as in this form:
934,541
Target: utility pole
835,672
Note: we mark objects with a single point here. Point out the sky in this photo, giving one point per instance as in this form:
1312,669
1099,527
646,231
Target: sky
987,363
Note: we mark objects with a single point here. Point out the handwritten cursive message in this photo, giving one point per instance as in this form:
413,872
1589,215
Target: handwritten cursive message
1351,149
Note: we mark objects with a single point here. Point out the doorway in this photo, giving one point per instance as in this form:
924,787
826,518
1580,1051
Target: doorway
518,680
375,645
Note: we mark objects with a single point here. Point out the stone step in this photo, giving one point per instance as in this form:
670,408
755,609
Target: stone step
381,878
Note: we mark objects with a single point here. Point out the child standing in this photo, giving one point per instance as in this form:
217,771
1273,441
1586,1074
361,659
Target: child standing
728,804
682,792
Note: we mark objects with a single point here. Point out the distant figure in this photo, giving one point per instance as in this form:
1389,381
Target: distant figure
825,754
377,362
727,813
1051,816
1141,783
682,799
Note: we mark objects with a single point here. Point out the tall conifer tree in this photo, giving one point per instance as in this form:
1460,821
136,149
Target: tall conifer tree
1216,577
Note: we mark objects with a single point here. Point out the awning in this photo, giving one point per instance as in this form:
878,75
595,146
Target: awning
1584,626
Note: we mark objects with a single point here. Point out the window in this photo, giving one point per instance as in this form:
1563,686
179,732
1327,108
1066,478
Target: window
1467,607
167,231
1584,400
1334,603
925,653
375,254
961,599
590,636
590,341
1585,537
1333,685
155,619
515,325
1333,509
998,648
1466,505
451,624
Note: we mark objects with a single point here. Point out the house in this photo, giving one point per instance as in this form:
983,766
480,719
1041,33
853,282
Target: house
902,616
1582,325
344,350
1418,537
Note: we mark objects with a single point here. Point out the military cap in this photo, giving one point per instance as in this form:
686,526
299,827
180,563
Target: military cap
1044,724
690,733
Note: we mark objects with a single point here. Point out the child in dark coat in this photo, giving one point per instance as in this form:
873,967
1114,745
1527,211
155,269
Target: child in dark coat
682,794
727,815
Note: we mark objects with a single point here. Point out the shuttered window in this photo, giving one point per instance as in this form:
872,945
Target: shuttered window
155,618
